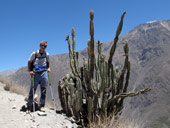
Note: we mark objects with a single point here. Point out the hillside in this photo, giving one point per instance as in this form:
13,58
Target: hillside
6,73
149,55
149,44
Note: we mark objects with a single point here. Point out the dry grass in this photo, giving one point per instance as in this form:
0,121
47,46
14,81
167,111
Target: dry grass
19,90
105,123
12,87
113,122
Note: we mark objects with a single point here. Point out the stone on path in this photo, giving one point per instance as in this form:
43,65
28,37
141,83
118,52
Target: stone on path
41,113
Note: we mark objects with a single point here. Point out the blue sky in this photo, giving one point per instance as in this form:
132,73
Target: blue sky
24,23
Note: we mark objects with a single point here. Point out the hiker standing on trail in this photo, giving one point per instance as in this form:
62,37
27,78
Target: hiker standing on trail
39,65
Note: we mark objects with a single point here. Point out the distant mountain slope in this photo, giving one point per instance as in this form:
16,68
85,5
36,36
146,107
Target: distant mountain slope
6,73
150,62
149,47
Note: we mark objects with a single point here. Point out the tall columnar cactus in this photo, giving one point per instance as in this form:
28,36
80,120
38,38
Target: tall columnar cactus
92,56
98,88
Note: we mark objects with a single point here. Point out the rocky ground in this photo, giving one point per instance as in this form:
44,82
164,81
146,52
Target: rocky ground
11,115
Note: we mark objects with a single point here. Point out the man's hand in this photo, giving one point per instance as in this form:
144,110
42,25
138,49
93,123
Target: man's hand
48,70
31,73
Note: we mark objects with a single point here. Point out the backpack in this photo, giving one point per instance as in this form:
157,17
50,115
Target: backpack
36,54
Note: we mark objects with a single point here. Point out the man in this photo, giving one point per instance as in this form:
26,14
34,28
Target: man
39,65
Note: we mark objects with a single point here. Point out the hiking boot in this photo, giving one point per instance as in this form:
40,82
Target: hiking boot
29,108
42,109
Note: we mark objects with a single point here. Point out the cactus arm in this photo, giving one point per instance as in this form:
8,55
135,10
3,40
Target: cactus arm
70,54
92,56
69,43
131,94
73,40
127,63
125,67
75,55
113,48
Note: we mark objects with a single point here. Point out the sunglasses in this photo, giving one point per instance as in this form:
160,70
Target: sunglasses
44,46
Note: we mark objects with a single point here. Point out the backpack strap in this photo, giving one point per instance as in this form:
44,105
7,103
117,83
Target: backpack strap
46,56
32,63
36,54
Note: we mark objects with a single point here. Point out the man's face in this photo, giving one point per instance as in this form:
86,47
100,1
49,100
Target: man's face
43,46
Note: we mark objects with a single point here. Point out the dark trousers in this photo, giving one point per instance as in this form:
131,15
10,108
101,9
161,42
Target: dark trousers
41,79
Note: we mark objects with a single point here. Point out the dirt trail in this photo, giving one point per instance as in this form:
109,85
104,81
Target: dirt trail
12,117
